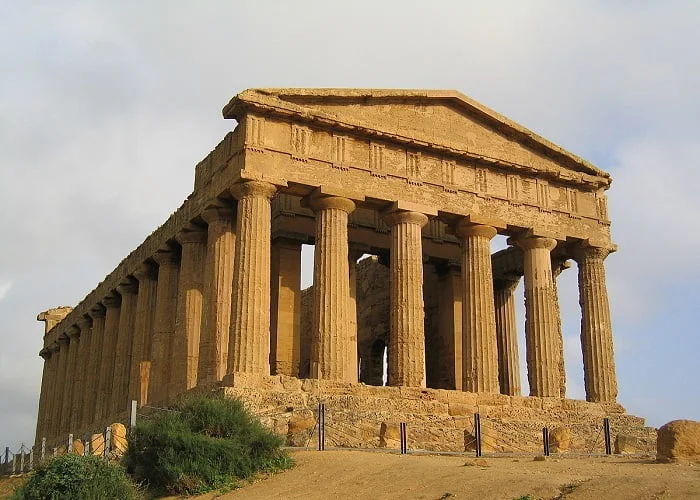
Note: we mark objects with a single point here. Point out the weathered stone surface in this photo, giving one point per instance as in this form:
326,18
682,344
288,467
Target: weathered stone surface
560,439
118,443
78,447
679,440
627,444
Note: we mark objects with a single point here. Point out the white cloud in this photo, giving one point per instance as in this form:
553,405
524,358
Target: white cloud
4,288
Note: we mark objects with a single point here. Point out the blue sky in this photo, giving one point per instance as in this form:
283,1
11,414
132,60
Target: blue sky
105,108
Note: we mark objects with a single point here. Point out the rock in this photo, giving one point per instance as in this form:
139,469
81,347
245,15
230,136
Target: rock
626,444
540,458
678,440
299,430
489,439
389,435
560,439
78,447
118,443
97,444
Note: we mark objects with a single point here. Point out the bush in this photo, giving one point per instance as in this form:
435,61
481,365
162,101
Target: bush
72,477
208,442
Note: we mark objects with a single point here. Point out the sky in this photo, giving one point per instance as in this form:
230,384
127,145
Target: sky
105,108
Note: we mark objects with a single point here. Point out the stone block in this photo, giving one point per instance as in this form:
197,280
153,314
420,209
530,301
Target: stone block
118,442
78,447
678,440
626,444
460,409
97,444
300,429
560,439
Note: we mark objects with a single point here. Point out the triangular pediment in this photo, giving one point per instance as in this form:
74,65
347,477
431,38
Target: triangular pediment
443,118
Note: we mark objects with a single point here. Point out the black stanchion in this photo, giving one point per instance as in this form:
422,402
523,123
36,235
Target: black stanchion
321,426
545,441
606,430
477,434
404,438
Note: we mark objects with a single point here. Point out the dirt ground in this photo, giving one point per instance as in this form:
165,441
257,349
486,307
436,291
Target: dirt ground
369,475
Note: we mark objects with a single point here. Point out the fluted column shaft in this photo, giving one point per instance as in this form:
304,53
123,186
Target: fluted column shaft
480,353
507,338
540,318
122,352
188,323
218,288
450,307
60,385
330,333
596,330
285,319
97,358
353,362
249,338
111,331
143,329
557,267
69,386
43,397
164,325
81,373
407,316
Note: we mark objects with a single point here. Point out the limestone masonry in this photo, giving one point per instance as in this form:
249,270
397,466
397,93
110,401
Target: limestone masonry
420,180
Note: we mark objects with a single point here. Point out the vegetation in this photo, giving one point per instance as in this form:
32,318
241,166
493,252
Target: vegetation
72,476
206,442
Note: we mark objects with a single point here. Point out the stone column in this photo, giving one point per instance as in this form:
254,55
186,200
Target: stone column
81,373
353,363
164,325
188,323
113,305
285,313
119,401
558,266
95,361
406,322
218,283
507,337
249,337
480,354
69,386
143,329
59,386
44,403
450,326
596,330
329,327
540,317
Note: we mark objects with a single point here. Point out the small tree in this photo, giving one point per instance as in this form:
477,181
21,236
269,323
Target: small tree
68,477
207,442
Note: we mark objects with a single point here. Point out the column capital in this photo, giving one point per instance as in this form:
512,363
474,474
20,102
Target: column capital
464,228
112,301
62,340
253,188
531,242
405,216
191,234
45,353
145,271
165,257
128,287
214,214
97,311
583,251
318,202
84,323
73,331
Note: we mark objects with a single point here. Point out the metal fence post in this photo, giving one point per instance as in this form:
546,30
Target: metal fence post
70,443
404,438
477,434
545,441
108,441
43,448
606,430
132,420
321,426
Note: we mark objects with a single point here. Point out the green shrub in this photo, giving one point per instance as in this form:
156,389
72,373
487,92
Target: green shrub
208,442
73,477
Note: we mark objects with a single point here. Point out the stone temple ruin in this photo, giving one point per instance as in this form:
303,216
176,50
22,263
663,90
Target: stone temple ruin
420,180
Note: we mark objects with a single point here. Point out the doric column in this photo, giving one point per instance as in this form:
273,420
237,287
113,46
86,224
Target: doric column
119,401
480,354
81,373
596,330
285,313
406,320
450,325
188,323
44,403
164,325
558,266
59,387
249,337
353,362
218,283
69,393
95,361
143,329
112,304
507,337
540,317
329,327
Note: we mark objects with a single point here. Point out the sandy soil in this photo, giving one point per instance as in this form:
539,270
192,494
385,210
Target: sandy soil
357,474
